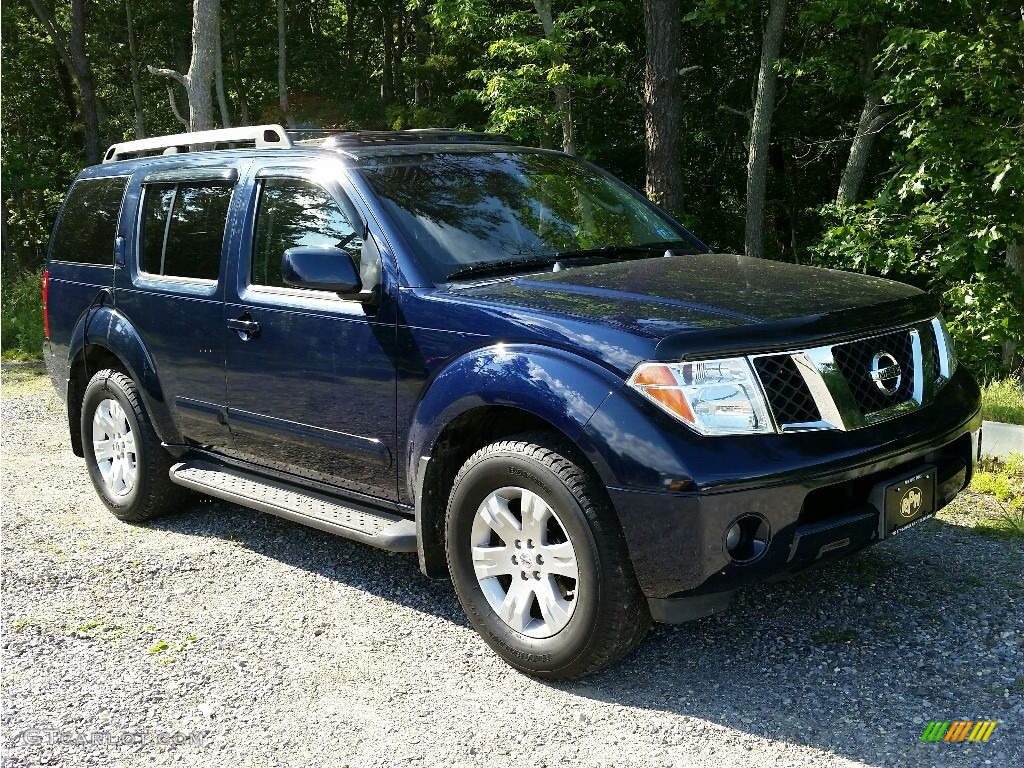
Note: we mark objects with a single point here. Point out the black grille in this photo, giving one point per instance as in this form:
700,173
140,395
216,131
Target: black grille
855,360
786,389
936,365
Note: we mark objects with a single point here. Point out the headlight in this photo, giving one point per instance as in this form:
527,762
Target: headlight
714,397
944,344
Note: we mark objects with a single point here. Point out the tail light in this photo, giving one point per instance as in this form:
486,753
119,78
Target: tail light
46,312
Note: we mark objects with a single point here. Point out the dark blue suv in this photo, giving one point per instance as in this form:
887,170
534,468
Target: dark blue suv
500,358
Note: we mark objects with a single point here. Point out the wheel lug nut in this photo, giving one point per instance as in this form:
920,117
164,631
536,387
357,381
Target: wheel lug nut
540,560
536,575
515,560
525,576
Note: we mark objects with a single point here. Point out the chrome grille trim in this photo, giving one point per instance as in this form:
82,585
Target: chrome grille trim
831,390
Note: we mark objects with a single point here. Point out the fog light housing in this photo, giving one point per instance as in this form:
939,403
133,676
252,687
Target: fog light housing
747,538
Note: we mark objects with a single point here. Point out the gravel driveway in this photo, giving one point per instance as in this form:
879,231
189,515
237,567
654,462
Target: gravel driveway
224,637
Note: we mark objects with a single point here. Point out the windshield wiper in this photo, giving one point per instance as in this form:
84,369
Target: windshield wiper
503,266
605,251
613,250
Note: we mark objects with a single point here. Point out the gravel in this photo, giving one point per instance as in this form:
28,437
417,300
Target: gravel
220,635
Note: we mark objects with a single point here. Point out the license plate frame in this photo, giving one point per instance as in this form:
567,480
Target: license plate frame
905,501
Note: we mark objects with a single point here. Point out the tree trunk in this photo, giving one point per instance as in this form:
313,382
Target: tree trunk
86,85
205,28
74,57
67,87
871,121
282,66
174,106
133,58
563,99
761,129
663,103
243,101
222,99
1015,263
8,267
387,81
350,30
421,31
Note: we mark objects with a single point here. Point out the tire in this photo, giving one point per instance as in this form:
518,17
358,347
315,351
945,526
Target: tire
530,609
131,473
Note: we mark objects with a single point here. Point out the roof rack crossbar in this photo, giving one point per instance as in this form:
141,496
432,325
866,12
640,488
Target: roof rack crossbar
265,137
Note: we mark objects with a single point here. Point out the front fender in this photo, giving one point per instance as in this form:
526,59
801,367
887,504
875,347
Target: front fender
561,388
105,327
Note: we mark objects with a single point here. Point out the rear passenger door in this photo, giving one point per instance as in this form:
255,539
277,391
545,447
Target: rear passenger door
173,290
311,389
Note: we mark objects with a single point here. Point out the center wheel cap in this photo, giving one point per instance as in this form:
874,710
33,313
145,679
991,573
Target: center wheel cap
526,560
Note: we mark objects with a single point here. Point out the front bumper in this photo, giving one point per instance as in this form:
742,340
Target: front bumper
818,513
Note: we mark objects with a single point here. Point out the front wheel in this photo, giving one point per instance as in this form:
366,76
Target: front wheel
538,560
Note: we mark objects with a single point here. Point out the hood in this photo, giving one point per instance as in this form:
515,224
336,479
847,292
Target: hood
696,303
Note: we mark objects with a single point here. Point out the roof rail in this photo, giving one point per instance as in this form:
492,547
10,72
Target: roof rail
412,136
265,137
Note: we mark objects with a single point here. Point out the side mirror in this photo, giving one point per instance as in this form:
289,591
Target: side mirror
322,267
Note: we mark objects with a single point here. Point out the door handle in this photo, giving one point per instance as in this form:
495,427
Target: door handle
246,327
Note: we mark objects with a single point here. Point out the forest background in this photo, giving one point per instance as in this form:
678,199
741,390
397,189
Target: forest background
883,136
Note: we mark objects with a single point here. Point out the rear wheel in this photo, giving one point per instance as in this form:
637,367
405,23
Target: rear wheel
127,465
538,560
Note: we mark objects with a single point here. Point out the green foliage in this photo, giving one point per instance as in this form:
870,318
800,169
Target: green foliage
951,201
943,183
522,65
1003,400
1004,481
22,316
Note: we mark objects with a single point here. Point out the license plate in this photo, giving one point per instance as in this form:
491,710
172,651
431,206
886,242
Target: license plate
908,500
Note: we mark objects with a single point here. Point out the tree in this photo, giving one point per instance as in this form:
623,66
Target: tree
197,81
282,65
133,55
563,99
948,212
77,62
663,103
761,129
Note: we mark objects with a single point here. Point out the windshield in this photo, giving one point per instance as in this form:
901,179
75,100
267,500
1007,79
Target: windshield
459,211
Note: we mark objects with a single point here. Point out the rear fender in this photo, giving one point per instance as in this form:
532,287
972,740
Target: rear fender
107,328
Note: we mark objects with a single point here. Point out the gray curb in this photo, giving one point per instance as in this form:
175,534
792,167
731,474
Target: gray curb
999,439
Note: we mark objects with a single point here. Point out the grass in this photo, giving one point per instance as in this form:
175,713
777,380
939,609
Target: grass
21,317
1003,400
836,636
996,506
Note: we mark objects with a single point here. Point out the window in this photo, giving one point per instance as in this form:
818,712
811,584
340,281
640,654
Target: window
88,225
183,229
292,213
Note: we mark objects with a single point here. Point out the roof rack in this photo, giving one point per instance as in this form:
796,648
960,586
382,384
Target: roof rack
276,137
264,136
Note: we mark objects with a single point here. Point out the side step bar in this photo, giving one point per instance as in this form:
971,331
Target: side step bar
353,521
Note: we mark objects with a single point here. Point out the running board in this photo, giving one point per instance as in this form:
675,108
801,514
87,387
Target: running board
383,530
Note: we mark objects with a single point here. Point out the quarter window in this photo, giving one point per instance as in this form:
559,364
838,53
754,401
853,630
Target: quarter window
292,212
88,225
183,229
